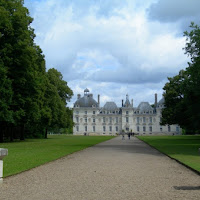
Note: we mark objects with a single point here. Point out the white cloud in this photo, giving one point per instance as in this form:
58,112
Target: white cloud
110,48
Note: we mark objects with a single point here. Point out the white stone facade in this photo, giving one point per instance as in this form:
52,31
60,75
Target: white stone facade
91,119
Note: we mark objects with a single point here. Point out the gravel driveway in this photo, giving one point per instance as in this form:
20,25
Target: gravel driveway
116,169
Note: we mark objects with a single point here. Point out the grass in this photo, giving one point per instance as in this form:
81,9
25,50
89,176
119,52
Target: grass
182,148
34,152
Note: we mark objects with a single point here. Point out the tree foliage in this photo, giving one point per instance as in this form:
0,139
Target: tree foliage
182,92
30,98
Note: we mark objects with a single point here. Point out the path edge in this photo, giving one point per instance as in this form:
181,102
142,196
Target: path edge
62,157
183,164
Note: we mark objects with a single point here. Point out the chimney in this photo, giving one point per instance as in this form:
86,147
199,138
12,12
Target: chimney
132,102
78,96
156,101
122,102
99,100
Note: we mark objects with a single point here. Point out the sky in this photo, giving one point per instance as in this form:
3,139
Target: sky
114,47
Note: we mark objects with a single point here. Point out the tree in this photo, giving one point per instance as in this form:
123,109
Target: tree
182,92
57,95
6,115
31,98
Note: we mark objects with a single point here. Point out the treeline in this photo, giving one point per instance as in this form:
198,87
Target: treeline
182,92
32,100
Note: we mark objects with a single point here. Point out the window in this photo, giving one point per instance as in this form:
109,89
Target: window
138,120
85,120
144,119
104,128
161,129
150,119
85,128
138,128
116,128
110,128
93,112
116,119
126,112
150,128
93,128
77,119
169,128
177,129
77,128
77,112
127,129
126,119
110,119
144,128
104,119
93,120
86,112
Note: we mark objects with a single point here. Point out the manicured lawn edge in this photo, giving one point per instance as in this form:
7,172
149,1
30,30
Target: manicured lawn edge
61,157
178,161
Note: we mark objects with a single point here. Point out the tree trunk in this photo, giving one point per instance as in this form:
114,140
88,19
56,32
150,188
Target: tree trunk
22,132
1,134
11,133
45,136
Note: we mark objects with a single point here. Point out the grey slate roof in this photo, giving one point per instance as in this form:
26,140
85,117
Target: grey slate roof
144,107
86,90
127,103
86,101
161,102
110,106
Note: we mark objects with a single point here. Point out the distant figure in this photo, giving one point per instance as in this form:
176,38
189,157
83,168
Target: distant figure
123,136
129,135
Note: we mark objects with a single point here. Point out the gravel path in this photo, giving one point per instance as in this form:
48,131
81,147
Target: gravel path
116,169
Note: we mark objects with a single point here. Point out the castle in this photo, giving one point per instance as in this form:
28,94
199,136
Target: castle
91,119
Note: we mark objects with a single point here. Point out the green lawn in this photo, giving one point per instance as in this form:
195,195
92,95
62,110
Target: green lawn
182,148
34,152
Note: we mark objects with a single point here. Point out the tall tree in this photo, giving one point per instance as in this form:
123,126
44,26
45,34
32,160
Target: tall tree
57,95
6,115
30,96
182,92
